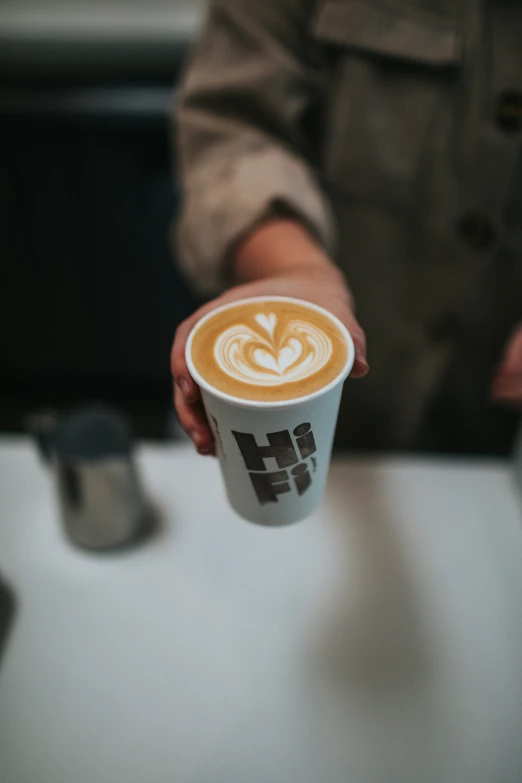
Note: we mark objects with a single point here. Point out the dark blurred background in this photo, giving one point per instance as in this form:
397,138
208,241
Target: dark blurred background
90,295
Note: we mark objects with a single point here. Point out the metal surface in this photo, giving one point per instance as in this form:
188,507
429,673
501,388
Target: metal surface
101,500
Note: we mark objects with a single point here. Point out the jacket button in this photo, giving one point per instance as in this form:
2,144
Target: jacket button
477,231
509,112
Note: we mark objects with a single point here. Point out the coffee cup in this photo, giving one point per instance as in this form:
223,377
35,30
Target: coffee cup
271,372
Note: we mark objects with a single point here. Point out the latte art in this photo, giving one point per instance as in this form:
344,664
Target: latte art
268,349
259,357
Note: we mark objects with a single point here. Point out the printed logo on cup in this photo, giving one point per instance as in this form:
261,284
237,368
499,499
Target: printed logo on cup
293,456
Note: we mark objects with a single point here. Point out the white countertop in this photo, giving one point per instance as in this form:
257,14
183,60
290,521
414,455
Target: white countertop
379,642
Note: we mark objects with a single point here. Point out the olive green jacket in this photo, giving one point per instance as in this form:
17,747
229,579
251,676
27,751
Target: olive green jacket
393,130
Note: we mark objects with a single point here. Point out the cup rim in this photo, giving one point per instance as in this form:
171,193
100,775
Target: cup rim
270,404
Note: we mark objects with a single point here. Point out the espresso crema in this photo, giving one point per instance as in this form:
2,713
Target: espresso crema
269,350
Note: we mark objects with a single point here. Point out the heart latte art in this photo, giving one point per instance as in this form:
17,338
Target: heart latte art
271,349
262,357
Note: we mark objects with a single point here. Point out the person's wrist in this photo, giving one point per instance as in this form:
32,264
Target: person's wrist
278,248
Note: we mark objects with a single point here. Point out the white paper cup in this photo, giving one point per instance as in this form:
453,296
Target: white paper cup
274,456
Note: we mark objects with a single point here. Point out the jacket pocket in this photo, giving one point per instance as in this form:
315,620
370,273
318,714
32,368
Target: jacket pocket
391,75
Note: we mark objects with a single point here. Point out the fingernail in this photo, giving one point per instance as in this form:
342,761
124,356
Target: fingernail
363,364
196,438
184,385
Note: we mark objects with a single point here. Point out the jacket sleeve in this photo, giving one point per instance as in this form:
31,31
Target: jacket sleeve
244,152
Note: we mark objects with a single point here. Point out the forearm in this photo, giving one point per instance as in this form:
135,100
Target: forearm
279,247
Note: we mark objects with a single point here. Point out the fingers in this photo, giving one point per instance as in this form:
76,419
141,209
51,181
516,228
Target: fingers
178,366
187,396
360,366
194,421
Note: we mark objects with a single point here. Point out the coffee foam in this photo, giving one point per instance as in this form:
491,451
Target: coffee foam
269,350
